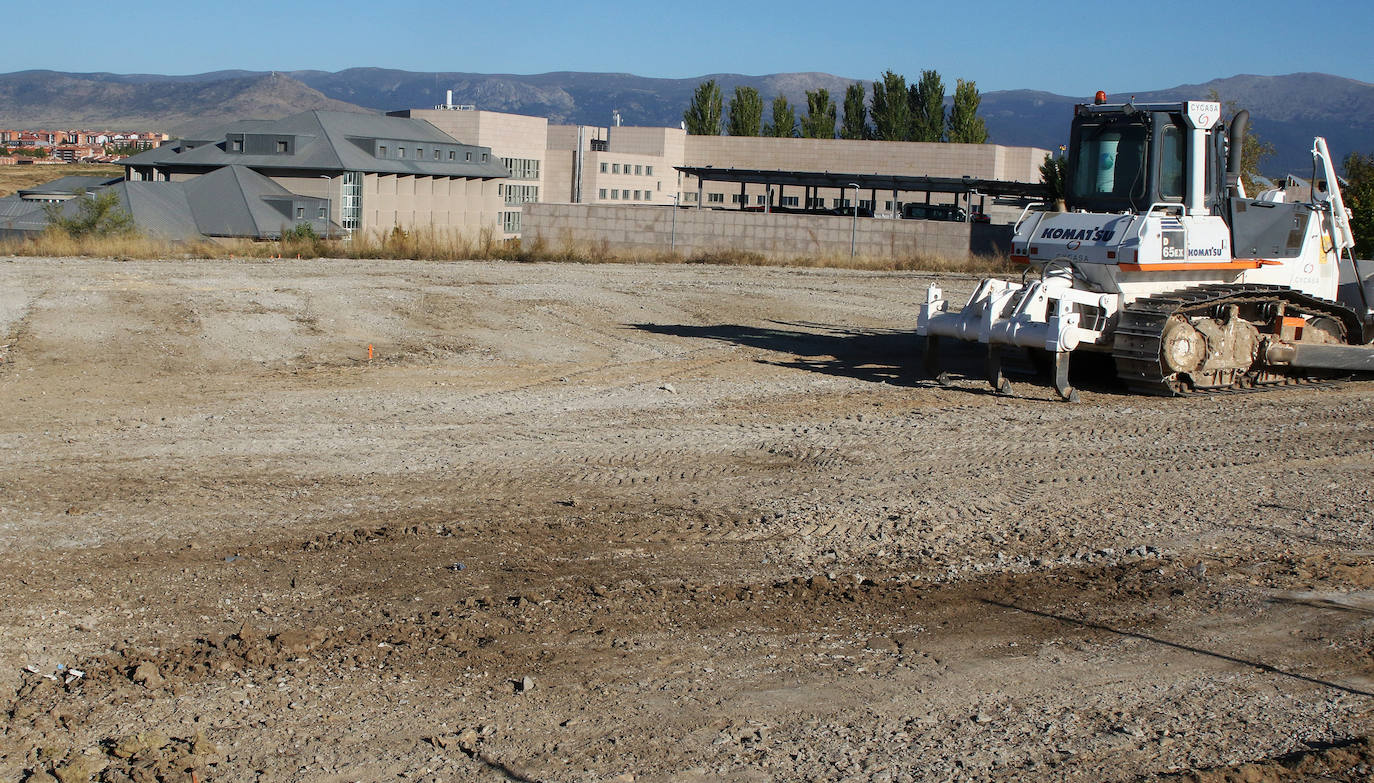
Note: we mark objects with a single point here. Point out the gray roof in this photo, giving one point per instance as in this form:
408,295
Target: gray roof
69,185
233,201
327,141
18,214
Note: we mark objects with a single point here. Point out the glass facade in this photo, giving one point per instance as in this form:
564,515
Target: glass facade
351,207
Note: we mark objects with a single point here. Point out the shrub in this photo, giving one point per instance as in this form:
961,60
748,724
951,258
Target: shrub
96,216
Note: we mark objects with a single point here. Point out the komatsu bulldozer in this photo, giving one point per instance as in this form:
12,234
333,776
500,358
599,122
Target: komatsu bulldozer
1159,258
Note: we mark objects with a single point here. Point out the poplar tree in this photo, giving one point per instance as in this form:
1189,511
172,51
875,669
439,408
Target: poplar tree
784,123
890,110
965,126
819,122
855,125
702,117
927,101
746,113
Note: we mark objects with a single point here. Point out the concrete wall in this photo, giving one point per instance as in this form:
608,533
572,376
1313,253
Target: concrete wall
705,230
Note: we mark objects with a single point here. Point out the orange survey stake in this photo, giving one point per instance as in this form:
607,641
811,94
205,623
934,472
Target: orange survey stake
369,352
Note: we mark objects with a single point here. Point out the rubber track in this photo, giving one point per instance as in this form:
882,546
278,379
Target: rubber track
1140,330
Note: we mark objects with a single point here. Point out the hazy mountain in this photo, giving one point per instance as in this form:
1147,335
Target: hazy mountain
1286,110
563,97
174,104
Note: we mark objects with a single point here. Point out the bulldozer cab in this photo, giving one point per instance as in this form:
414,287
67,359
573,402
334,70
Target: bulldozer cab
1129,158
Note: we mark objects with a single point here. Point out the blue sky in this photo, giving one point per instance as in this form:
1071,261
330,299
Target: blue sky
1072,48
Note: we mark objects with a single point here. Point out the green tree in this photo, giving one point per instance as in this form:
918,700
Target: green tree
927,100
891,111
965,126
819,122
702,117
95,216
784,123
746,113
855,125
1359,200
1052,173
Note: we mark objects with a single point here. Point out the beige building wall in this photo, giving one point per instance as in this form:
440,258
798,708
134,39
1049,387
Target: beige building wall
558,176
515,136
696,231
453,204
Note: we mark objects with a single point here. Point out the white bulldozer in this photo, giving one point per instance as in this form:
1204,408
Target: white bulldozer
1160,259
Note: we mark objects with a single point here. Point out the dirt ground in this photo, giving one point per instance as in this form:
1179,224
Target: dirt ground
393,520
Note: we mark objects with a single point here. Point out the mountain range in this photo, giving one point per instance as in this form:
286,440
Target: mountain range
1286,111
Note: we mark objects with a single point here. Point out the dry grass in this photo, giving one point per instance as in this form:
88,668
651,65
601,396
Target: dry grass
444,245
14,178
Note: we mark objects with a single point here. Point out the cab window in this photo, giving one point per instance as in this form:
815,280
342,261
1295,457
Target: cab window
1171,163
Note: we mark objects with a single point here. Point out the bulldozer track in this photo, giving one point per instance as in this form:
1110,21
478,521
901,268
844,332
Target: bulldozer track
1139,335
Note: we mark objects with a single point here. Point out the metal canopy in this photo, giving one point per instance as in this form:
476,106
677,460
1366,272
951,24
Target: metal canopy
828,179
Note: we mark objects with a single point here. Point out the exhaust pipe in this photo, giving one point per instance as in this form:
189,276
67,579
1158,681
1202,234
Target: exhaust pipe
1235,140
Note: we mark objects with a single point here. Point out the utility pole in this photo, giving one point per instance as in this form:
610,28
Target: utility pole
854,223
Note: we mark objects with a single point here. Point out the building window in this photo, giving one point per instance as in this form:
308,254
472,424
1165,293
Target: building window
715,198
866,204
789,201
500,189
521,168
604,167
649,172
400,152
615,168
436,154
601,194
452,154
689,197
281,146
381,151
521,194
510,222
736,198
639,169
615,195
485,157
236,145
468,156
625,194
322,216
760,199
300,213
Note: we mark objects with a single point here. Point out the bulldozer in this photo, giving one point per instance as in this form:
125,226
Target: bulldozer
1158,258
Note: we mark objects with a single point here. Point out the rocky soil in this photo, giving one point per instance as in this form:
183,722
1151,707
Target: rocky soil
393,520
